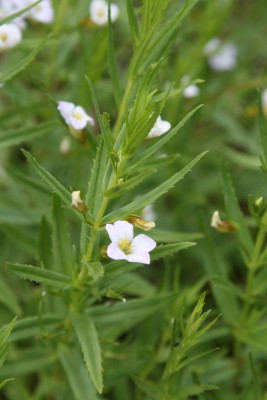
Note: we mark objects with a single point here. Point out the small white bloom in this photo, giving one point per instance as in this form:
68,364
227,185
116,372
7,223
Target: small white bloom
221,57
74,116
8,7
65,145
43,12
159,128
124,246
148,213
77,202
216,220
10,36
264,101
99,12
190,91
212,46
76,198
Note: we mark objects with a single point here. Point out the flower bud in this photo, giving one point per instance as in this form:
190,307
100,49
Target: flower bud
77,202
141,223
224,226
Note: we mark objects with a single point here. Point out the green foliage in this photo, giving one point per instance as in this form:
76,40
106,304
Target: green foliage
88,325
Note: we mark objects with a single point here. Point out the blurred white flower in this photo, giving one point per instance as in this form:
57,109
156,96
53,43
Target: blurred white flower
190,91
159,128
124,246
264,100
65,145
148,213
224,226
10,36
43,12
221,57
8,7
212,46
99,12
74,116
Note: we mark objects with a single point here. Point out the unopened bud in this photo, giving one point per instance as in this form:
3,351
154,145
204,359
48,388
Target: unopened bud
224,226
103,252
77,202
259,201
141,223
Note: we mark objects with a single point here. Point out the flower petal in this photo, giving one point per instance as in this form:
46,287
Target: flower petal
143,243
66,109
140,257
120,230
114,252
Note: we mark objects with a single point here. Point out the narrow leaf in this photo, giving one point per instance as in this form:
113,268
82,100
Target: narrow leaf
234,211
151,196
22,64
76,373
262,128
162,140
14,137
62,248
8,298
49,179
35,274
112,63
87,335
132,22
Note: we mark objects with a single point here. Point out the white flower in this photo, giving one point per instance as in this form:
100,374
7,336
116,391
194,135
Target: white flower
74,116
65,145
148,212
221,57
76,198
10,36
43,12
190,91
212,46
216,220
124,246
8,7
159,128
77,202
264,101
99,12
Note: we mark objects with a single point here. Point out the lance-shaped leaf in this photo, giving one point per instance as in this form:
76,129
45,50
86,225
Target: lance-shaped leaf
235,213
162,140
14,137
88,338
40,275
112,63
22,64
8,298
115,269
132,22
152,195
130,312
31,327
49,179
120,188
76,373
17,14
62,249
4,336
262,128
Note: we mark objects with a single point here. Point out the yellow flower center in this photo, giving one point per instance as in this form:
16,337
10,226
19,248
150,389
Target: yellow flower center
125,245
3,37
77,115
